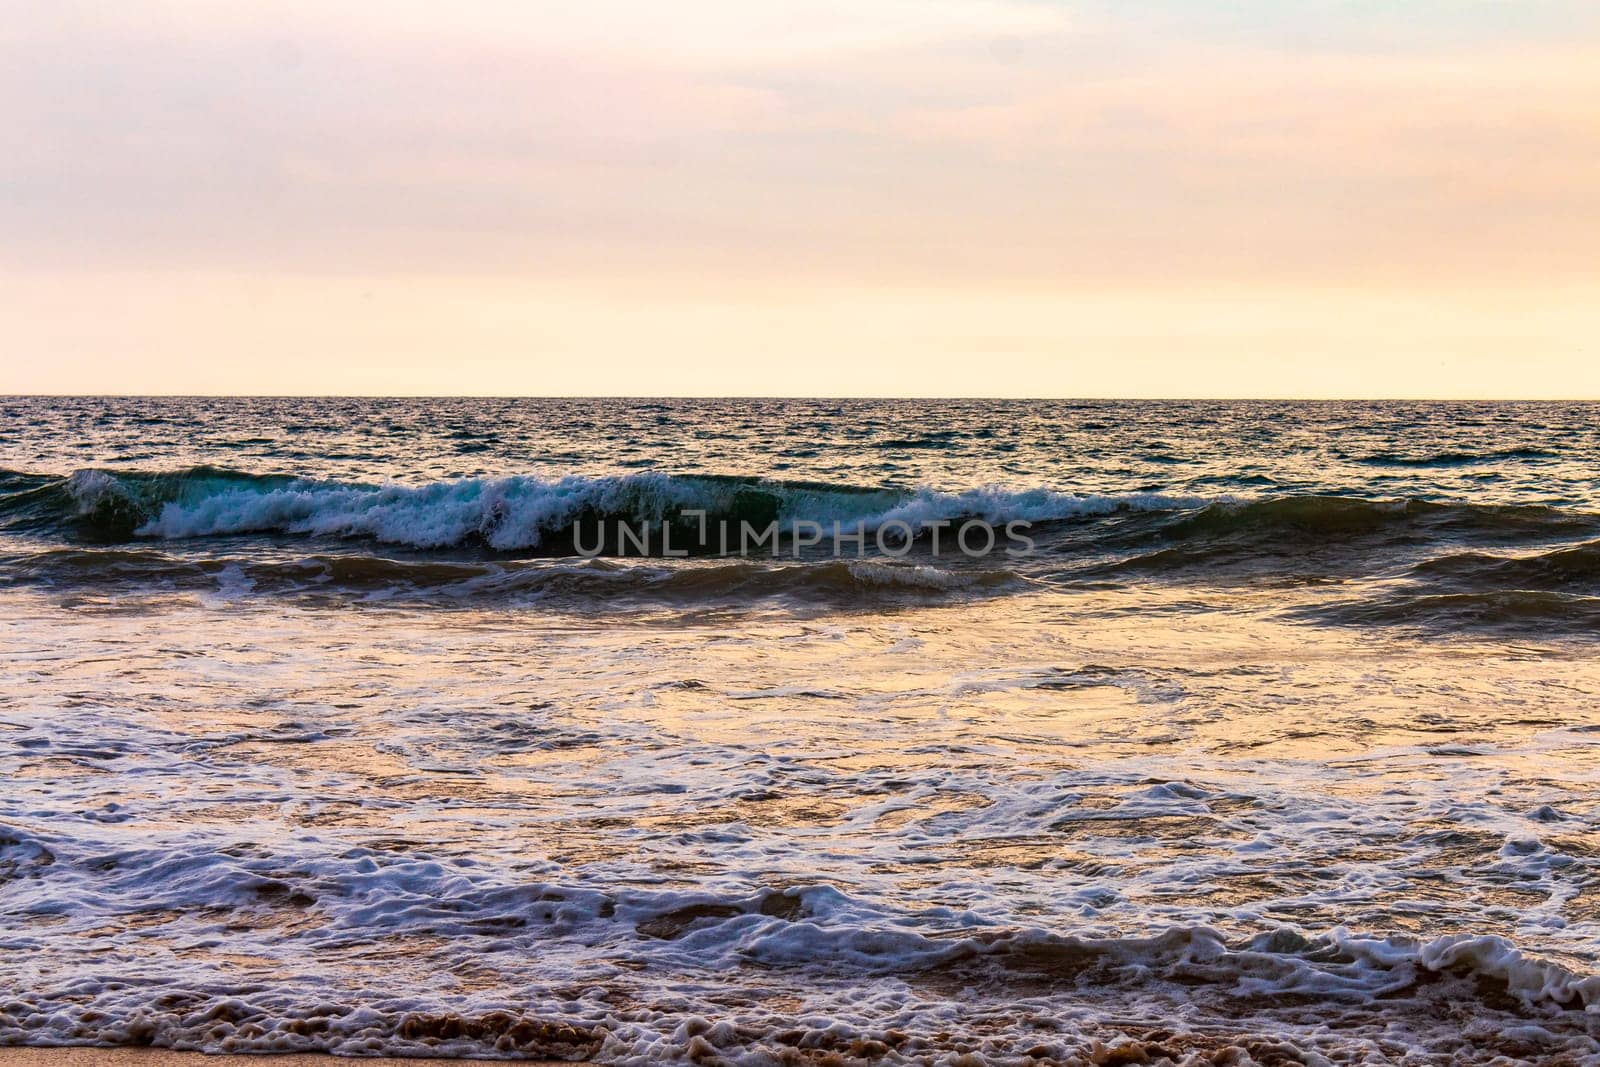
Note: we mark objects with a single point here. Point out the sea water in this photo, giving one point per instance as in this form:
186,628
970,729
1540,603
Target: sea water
1282,741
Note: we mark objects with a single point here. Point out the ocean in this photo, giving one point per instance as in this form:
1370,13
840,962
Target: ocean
346,725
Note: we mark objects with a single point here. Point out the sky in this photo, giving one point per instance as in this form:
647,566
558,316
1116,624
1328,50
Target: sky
1320,198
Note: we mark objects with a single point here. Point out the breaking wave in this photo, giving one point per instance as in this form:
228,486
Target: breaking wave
1426,564
523,512
514,513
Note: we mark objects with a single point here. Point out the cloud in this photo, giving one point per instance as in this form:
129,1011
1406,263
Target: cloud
738,33
940,146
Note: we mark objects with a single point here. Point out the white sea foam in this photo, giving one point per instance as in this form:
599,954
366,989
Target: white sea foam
1141,821
862,963
522,511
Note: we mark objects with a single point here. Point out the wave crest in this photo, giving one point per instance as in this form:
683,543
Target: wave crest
522,512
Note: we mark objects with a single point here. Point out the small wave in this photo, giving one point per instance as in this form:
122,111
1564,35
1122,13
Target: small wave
1498,611
1571,568
1321,517
1321,536
1453,459
597,582
1555,591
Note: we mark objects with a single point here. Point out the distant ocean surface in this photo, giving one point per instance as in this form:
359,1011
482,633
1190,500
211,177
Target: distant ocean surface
1282,744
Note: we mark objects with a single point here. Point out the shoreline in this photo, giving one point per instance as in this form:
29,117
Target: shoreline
142,1056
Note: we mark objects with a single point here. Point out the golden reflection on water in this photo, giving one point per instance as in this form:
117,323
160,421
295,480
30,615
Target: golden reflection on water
1066,754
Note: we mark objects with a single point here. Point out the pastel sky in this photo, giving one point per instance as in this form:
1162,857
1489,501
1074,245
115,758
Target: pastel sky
836,197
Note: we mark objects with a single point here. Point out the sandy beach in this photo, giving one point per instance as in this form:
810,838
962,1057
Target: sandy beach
160,1057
